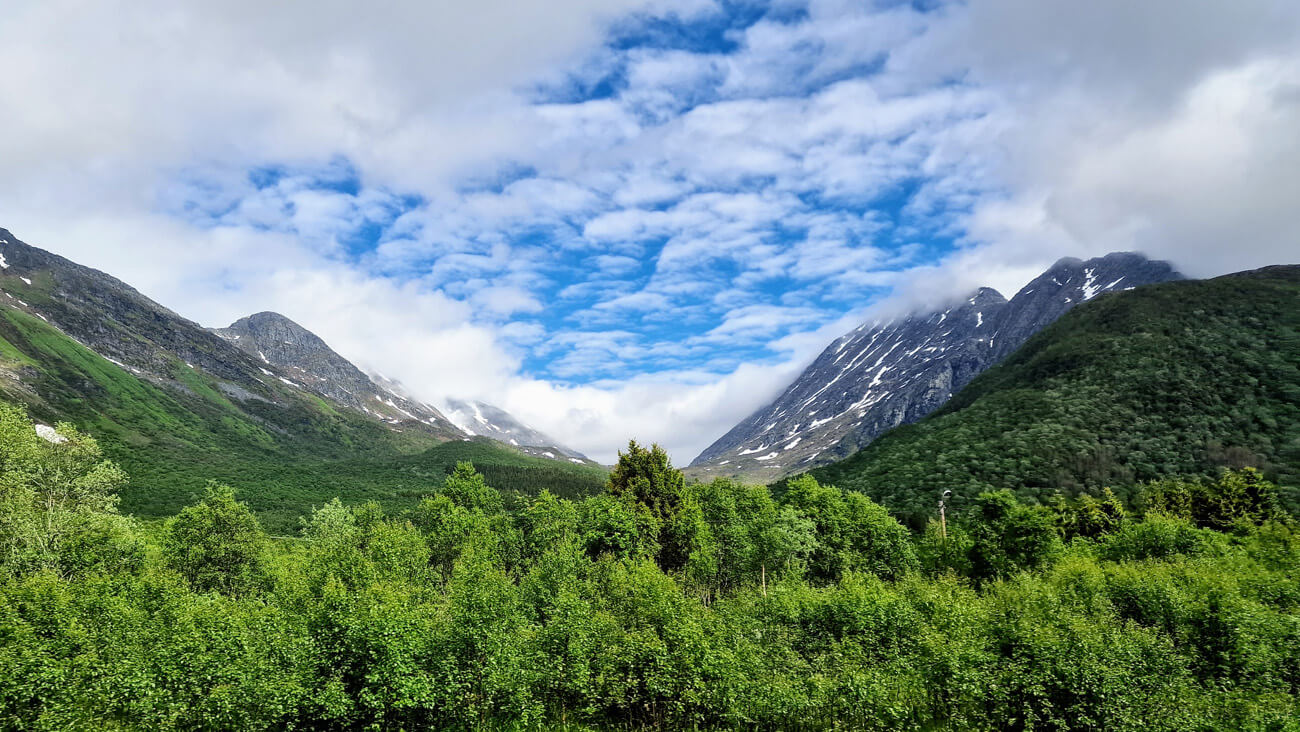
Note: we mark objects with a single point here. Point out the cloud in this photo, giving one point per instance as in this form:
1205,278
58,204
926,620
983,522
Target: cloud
757,321
1157,126
615,233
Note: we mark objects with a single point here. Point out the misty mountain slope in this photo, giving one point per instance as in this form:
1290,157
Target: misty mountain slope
176,405
116,321
1181,378
885,374
278,341
1068,283
479,418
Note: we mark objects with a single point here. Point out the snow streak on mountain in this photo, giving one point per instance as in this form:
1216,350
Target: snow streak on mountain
894,372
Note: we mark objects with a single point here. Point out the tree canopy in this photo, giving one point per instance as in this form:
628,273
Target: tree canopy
470,611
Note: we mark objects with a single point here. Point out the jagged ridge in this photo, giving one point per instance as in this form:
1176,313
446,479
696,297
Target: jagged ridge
884,374
480,418
312,364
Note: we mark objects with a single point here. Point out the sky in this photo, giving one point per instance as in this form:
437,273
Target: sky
641,219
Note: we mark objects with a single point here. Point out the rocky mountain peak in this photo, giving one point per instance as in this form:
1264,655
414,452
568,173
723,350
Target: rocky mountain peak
985,295
268,321
278,340
884,374
310,363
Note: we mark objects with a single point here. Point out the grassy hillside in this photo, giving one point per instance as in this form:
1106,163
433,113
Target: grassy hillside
282,456
1183,378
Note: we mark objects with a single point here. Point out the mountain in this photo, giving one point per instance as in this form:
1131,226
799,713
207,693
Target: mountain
1182,378
479,418
278,341
893,372
177,405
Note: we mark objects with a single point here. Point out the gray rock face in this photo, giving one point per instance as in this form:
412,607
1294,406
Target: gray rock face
118,323
310,363
884,374
113,319
478,418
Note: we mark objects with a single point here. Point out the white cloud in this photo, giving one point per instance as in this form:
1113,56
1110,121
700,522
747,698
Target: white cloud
760,321
720,191
1163,126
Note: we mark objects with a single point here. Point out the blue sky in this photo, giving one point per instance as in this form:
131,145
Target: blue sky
708,196
636,218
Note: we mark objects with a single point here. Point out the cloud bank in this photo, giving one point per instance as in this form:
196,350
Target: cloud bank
637,218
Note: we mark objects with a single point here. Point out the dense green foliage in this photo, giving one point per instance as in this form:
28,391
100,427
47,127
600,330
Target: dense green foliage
217,544
286,456
655,603
1177,379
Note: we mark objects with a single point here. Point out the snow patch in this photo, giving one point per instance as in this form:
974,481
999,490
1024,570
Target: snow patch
390,403
49,434
119,364
819,422
24,279
1090,287
876,381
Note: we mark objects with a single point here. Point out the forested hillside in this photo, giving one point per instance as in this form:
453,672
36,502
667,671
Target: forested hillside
655,604
285,455
1183,378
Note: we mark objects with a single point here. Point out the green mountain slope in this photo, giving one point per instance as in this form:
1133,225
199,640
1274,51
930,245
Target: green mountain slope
284,453
1182,378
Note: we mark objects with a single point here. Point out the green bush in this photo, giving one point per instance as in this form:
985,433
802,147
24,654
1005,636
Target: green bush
469,612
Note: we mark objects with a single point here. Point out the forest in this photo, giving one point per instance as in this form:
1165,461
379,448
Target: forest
655,603
1182,378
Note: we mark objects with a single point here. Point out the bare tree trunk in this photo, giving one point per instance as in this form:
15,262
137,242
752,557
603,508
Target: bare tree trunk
762,568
